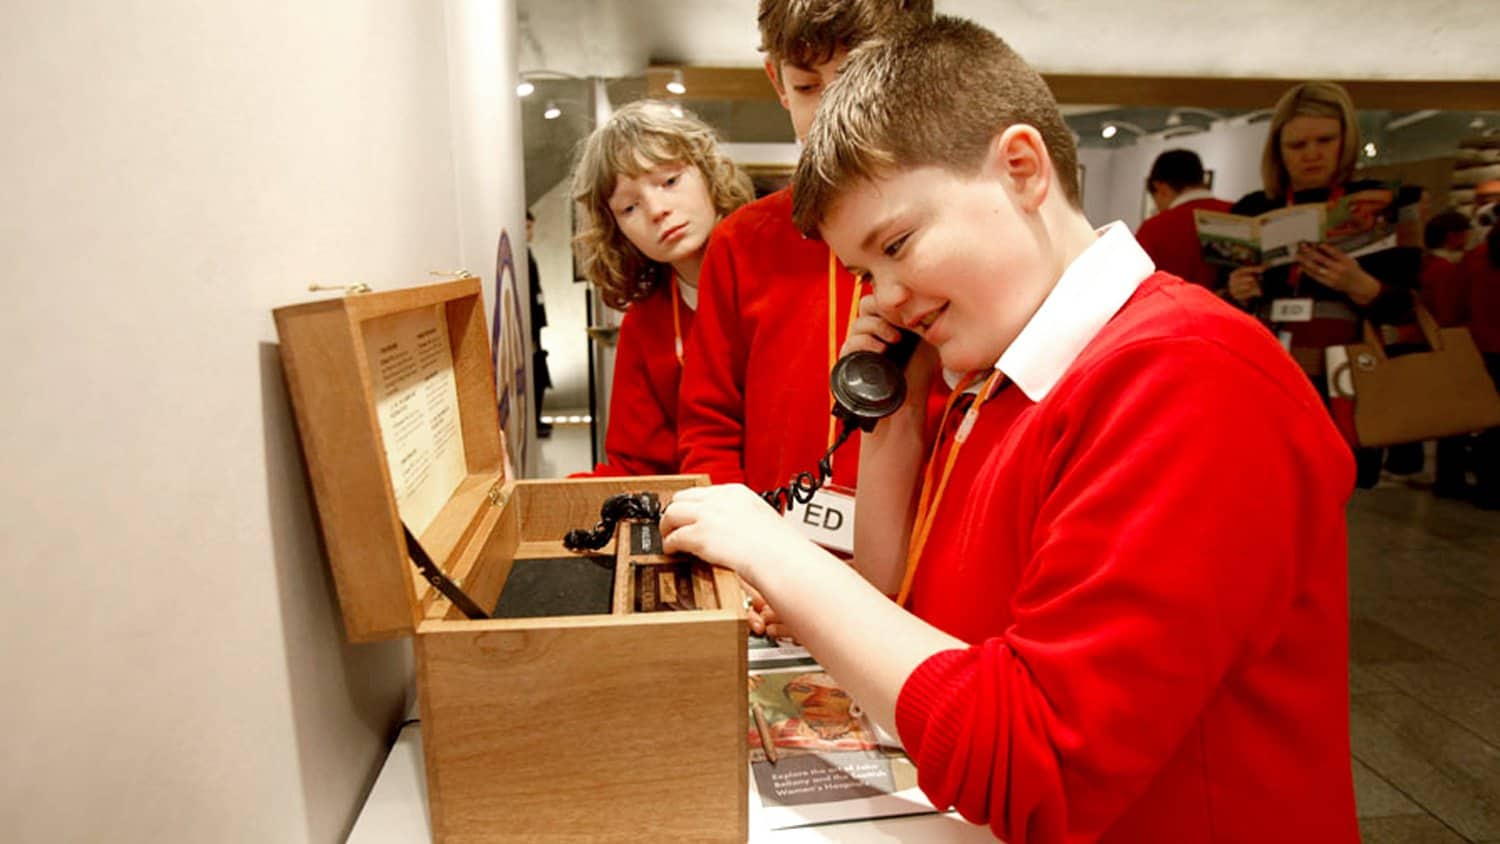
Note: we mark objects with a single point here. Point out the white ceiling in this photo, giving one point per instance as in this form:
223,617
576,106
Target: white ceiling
1346,39
1283,39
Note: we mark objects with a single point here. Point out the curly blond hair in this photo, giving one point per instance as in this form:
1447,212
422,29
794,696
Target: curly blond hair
635,139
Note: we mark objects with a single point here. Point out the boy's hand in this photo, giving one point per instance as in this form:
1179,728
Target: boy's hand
1244,283
870,332
729,526
763,618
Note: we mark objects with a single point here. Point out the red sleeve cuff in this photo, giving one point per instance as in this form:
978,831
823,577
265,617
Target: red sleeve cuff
923,730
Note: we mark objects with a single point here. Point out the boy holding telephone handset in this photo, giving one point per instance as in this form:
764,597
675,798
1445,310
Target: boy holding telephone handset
1092,638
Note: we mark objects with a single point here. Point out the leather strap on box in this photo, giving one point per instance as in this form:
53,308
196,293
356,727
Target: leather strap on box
436,577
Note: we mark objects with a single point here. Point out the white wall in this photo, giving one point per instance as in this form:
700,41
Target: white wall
1281,39
174,170
487,155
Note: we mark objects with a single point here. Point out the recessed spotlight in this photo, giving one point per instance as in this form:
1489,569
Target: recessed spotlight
525,88
1109,131
552,112
675,85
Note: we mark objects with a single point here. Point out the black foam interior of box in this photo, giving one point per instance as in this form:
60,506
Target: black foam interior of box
558,586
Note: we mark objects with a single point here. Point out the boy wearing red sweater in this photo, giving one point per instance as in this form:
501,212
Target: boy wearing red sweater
775,306
1120,566
1178,187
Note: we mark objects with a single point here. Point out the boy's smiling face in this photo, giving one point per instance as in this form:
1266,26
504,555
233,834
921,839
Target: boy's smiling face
958,259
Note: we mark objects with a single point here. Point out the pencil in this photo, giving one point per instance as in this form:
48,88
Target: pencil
765,732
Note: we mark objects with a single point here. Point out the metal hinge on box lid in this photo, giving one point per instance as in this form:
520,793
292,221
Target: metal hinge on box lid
438,579
499,494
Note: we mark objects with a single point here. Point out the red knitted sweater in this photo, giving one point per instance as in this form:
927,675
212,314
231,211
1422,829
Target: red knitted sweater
1150,564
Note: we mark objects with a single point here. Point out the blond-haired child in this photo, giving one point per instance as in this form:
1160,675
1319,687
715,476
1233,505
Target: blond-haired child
651,183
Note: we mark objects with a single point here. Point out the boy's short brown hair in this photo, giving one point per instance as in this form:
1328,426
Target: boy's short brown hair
935,96
806,33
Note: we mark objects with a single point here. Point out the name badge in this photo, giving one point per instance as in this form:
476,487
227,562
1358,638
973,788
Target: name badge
1292,310
828,519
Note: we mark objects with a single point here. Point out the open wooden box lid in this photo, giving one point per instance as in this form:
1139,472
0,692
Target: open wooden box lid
404,373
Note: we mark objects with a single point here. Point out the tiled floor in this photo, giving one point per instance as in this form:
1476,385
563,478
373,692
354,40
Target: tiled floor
1424,673
565,452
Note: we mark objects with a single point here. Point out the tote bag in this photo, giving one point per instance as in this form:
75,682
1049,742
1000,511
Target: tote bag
1439,392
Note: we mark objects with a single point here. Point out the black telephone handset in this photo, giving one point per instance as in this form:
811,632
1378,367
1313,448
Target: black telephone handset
867,387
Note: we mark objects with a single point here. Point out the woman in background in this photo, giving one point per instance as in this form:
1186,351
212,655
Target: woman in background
1309,157
651,184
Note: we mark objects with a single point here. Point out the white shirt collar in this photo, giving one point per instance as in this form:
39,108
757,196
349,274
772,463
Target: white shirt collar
1191,196
689,293
1091,290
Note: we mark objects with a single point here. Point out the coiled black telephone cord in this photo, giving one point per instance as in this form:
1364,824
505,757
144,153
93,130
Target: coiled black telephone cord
640,506
800,489
867,387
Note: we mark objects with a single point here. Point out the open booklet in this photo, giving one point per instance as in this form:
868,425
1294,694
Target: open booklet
814,758
1359,222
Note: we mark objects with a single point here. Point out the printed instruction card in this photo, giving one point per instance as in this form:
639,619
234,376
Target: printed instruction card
416,400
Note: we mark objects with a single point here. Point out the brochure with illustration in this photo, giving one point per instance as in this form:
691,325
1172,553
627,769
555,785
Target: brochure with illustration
1360,222
814,757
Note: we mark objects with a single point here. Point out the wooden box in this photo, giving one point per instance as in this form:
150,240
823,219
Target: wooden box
607,725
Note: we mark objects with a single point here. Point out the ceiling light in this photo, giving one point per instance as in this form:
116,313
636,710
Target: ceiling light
527,85
675,85
1175,118
677,111
1370,149
1113,127
1414,117
552,112
1476,123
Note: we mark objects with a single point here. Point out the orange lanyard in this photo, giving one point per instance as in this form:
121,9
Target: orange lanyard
927,504
833,332
676,322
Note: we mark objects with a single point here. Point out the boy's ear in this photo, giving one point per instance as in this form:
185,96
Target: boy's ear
1019,157
774,73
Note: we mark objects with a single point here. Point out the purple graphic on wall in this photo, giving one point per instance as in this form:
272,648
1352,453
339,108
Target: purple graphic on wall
508,353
